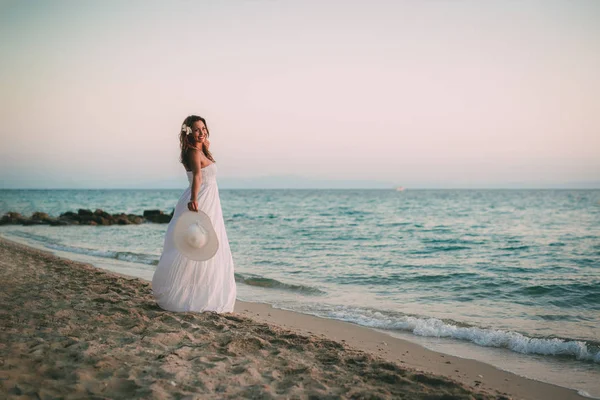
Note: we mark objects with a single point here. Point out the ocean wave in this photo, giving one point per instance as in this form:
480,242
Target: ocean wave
241,216
33,236
438,277
565,295
557,244
436,249
512,248
395,278
487,337
52,244
251,217
456,241
394,224
137,258
261,281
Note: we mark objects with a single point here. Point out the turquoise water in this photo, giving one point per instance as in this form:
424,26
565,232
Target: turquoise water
516,270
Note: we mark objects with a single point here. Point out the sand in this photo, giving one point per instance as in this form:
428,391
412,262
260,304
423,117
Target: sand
70,330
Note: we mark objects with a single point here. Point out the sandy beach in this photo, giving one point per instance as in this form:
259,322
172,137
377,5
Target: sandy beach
70,330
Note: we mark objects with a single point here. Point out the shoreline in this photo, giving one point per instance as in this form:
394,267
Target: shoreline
471,375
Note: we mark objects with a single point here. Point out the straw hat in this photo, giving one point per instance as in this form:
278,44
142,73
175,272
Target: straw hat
195,236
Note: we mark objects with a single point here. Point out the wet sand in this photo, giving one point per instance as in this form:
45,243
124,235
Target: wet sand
70,330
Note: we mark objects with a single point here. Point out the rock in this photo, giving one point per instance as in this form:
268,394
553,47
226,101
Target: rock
28,222
160,218
97,219
135,219
11,218
165,219
150,213
40,216
121,219
68,220
87,217
102,213
84,219
103,221
59,222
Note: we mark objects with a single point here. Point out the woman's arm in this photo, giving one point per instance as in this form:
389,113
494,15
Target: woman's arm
196,180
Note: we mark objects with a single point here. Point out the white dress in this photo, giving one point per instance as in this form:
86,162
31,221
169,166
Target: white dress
181,284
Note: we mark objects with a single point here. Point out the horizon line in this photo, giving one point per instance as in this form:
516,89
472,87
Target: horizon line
327,188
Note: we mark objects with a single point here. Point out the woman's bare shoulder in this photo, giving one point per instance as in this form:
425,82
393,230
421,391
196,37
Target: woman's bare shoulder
193,159
194,152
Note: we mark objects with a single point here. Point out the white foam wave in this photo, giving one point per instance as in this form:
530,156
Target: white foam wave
586,394
433,327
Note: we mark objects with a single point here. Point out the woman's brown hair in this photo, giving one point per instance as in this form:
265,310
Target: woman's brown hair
186,141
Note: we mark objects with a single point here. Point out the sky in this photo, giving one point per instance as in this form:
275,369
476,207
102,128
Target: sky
424,93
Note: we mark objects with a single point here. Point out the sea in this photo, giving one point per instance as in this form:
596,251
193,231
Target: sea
507,277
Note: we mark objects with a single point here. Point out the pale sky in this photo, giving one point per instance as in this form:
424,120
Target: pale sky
416,93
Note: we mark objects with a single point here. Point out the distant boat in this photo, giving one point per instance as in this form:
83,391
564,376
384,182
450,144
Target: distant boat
400,189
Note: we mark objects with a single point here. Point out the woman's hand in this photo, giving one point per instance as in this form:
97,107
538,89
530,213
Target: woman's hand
206,142
193,205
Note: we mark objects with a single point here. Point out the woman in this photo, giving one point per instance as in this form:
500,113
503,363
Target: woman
181,284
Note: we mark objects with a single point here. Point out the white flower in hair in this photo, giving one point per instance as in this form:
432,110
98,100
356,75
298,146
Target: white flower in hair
186,129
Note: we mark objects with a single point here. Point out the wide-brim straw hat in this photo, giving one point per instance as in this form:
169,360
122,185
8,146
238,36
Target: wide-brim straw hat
195,236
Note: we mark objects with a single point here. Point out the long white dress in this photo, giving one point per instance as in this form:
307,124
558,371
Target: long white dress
181,284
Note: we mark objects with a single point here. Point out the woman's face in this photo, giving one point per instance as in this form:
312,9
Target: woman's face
199,131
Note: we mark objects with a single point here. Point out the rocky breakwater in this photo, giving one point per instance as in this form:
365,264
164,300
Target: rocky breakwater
85,217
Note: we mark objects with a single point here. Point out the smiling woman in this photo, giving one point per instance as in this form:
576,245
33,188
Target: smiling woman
194,133
181,283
